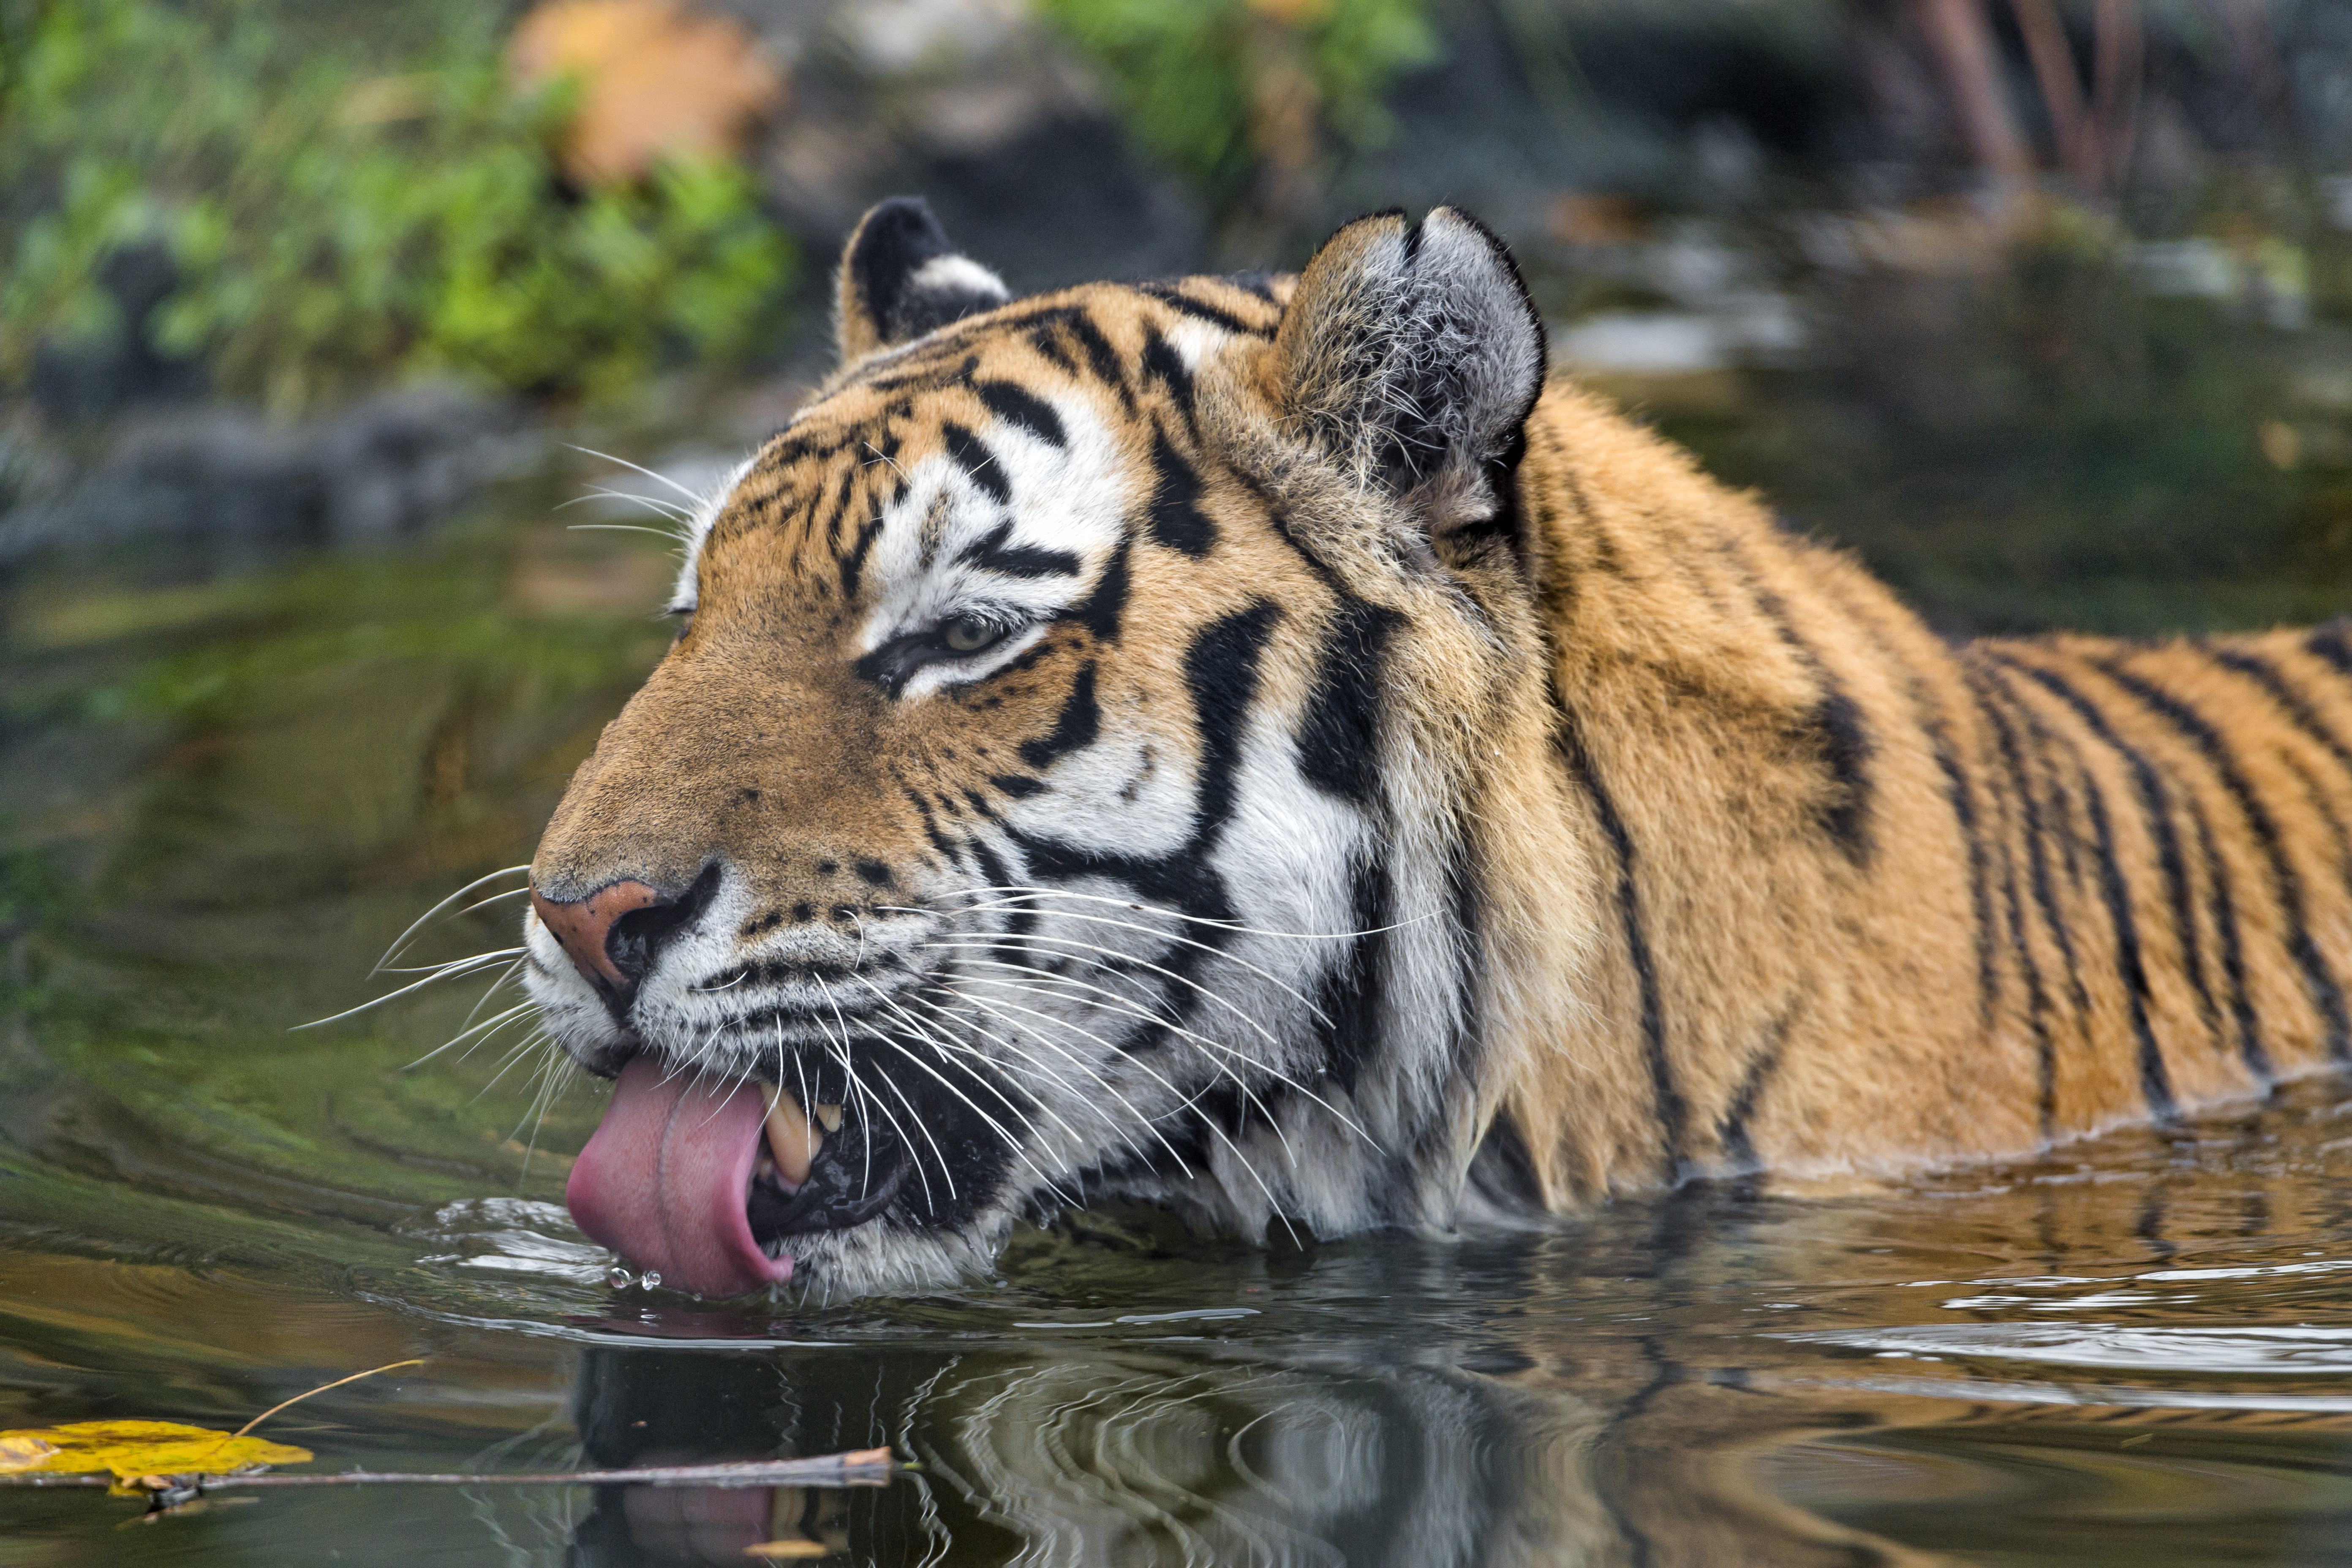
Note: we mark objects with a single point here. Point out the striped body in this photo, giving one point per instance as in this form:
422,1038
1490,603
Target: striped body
1246,744
1877,898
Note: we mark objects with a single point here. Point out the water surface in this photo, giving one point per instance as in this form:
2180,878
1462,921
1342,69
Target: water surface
225,796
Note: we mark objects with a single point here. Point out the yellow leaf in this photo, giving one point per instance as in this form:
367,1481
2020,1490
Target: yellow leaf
135,1449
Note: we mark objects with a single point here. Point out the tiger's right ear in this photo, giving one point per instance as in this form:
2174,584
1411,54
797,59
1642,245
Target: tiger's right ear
900,278
1412,355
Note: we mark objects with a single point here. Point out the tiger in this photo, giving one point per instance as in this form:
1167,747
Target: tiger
1262,747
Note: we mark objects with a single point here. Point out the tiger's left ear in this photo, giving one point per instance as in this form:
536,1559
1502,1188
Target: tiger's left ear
900,278
1413,355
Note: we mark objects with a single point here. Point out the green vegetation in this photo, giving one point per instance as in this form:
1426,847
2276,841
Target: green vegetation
1200,81
340,207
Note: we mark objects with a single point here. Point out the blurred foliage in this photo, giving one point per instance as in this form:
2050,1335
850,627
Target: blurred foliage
331,221
2045,444
1194,76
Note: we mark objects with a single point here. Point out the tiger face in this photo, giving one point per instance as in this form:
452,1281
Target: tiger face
1059,786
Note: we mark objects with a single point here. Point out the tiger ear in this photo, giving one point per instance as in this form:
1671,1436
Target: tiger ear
1412,354
900,278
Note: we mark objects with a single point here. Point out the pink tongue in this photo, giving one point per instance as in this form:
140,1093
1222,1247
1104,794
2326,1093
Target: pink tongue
664,1179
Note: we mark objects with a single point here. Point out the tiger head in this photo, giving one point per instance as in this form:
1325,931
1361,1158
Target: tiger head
1094,761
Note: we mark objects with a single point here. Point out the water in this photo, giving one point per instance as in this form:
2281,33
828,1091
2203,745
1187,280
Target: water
225,796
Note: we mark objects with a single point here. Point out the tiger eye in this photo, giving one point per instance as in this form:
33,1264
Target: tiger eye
966,634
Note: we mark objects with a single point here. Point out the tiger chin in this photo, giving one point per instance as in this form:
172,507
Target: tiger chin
1254,745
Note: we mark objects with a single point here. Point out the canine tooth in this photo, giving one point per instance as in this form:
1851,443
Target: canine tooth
831,1116
793,1141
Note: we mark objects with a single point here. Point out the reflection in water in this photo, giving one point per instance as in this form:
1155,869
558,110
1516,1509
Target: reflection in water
1142,1456
2136,1347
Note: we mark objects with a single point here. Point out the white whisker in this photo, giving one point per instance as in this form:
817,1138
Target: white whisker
662,478
419,922
480,961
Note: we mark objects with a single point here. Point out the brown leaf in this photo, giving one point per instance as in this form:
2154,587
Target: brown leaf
657,81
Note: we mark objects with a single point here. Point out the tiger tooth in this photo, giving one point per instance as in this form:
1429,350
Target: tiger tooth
831,1116
793,1141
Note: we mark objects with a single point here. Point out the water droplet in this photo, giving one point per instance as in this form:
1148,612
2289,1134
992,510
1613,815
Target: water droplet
650,1280
619,1277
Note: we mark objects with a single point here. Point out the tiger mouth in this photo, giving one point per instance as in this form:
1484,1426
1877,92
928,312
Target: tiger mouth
701,1180
819,1171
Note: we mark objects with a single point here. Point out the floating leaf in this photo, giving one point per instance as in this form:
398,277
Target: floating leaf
134,1448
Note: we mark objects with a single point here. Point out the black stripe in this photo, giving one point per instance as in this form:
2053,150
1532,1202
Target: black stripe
1732,1132
1080,721
2326,642
1465,877
1503,1170
924,367
2155,1080
1258,283
971,454
932,828
2317,793
2265,675
1047,342
2326,994
2224,907
2014,911
993,552
1278,516
1170,296
1162,364
1349,995
1101,610
2038,871
831,531
1220,672
1845,746
1100,356
1017,404
2156,806
1673,1111
853,565
1339,741
1961,795
1834,729
1176,518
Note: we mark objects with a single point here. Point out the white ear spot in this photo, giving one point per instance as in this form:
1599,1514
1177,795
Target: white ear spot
957,275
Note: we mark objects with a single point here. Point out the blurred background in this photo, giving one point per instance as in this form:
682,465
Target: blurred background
2040,304
318,323
353,359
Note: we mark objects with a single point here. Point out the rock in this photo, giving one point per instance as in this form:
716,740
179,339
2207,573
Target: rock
976,106
227,479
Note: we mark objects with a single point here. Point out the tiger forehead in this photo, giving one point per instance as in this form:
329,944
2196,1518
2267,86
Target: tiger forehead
1122,360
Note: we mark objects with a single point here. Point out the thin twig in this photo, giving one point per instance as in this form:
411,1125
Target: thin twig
388,1366
862,1468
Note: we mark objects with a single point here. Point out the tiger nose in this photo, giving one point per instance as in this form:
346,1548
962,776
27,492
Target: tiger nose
584,927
